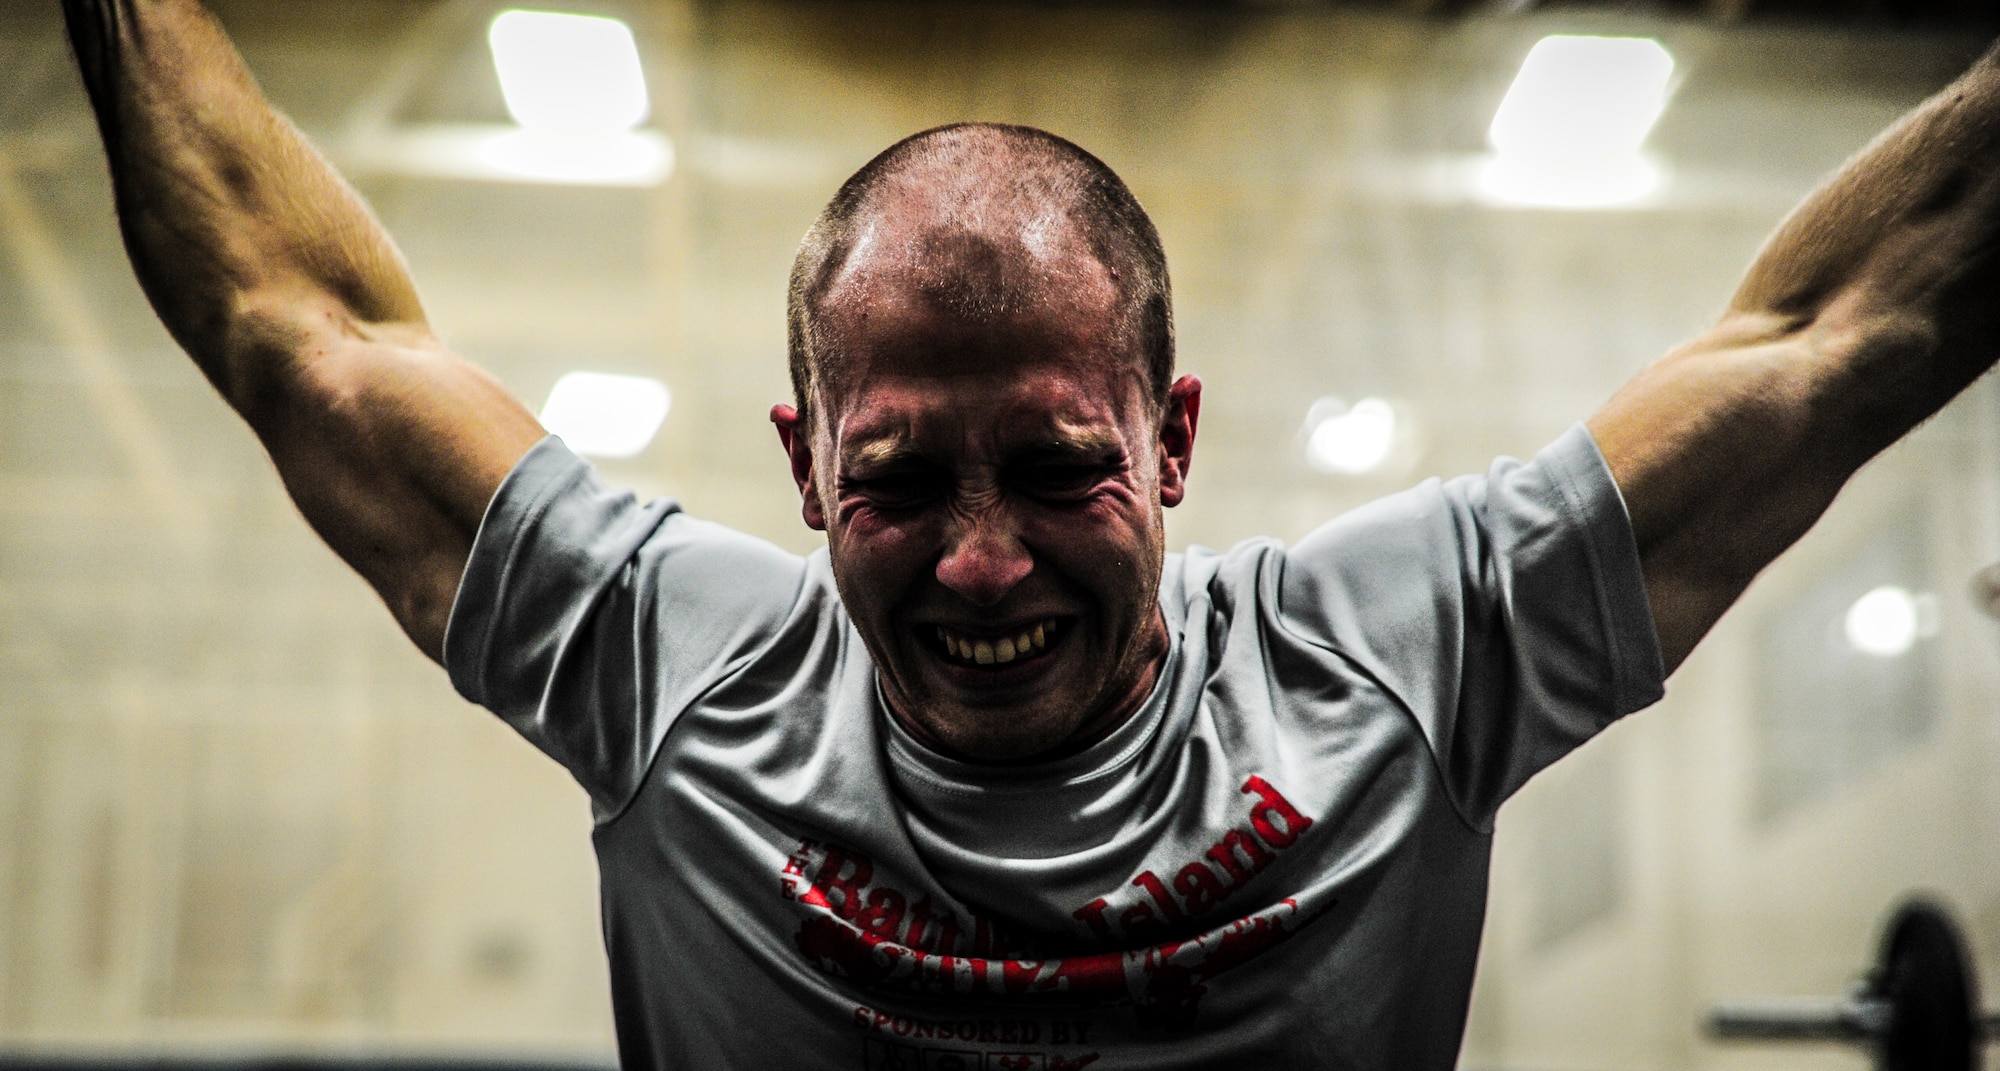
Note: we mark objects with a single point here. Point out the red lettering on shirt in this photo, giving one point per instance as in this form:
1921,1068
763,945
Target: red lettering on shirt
837,884
1199,887
1240,855
1166,979
1270,806
1092,915
865,930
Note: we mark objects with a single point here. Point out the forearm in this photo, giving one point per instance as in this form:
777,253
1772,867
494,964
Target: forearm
1872,305
1888,271
235,226
272,274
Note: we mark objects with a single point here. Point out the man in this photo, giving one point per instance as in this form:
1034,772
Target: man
996,781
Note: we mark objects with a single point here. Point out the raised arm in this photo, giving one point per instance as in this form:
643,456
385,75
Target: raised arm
1875,303
277,280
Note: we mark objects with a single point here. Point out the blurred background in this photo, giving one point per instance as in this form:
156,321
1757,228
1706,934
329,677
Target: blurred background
239,811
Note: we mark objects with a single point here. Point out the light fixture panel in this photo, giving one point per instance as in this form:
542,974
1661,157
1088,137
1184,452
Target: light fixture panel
1569,131
1885,622
1584,96
601,158
563,72
598,414
1350,440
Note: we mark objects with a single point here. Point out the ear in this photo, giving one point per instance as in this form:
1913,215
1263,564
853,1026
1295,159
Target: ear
796,437
1177,427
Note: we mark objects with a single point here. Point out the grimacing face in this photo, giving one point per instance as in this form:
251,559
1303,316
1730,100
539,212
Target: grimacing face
991,493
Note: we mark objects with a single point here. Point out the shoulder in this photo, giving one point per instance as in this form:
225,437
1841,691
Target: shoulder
1403,580
1451,531
560,555
554,503
1200,581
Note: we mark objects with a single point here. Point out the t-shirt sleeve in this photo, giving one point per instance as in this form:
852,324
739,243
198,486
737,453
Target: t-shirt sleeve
1508,612
588,620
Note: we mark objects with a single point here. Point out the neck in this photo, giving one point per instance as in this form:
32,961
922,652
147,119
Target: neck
1147,658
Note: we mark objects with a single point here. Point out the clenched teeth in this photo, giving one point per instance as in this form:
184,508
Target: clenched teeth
989,652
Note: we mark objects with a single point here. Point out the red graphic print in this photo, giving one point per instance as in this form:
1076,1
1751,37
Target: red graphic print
879,936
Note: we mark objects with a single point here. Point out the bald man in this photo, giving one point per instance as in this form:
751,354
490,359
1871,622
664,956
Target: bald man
995,781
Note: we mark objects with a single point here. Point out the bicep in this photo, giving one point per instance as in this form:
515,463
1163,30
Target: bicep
1726,451
391,447
1869,308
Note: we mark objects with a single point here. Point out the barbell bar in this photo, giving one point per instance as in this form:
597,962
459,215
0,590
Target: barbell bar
1917,1010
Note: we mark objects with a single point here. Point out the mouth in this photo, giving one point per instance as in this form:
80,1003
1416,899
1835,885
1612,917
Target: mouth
1023,643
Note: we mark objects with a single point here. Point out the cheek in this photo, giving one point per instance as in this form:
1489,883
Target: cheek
883,548
1099,541
1124,511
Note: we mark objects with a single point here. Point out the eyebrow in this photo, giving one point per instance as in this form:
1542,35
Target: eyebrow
1072,441
1078,441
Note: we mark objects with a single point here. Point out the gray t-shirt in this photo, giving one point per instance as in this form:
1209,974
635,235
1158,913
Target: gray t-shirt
1281,858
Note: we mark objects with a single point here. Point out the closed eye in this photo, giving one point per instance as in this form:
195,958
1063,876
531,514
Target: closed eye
896,490
1060,481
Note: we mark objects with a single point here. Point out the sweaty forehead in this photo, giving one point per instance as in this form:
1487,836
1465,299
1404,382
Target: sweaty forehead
968,243
923,292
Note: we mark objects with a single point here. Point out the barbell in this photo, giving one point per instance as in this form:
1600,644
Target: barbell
1917,1010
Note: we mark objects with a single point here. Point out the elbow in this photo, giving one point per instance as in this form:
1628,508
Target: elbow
1873,376
1839,383
276,352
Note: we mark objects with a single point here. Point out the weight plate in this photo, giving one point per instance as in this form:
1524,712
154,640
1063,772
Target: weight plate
1925,977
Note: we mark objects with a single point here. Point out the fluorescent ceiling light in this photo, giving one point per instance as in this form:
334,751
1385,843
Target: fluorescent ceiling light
1349,440
563,72
503,152
1885,622
1607,183
1584,96
578,96
1568,133
602,158
604,415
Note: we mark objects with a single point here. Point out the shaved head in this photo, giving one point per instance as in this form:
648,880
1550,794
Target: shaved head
987,429
981,221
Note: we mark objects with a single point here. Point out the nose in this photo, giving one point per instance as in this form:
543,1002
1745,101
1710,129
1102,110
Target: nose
984,559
